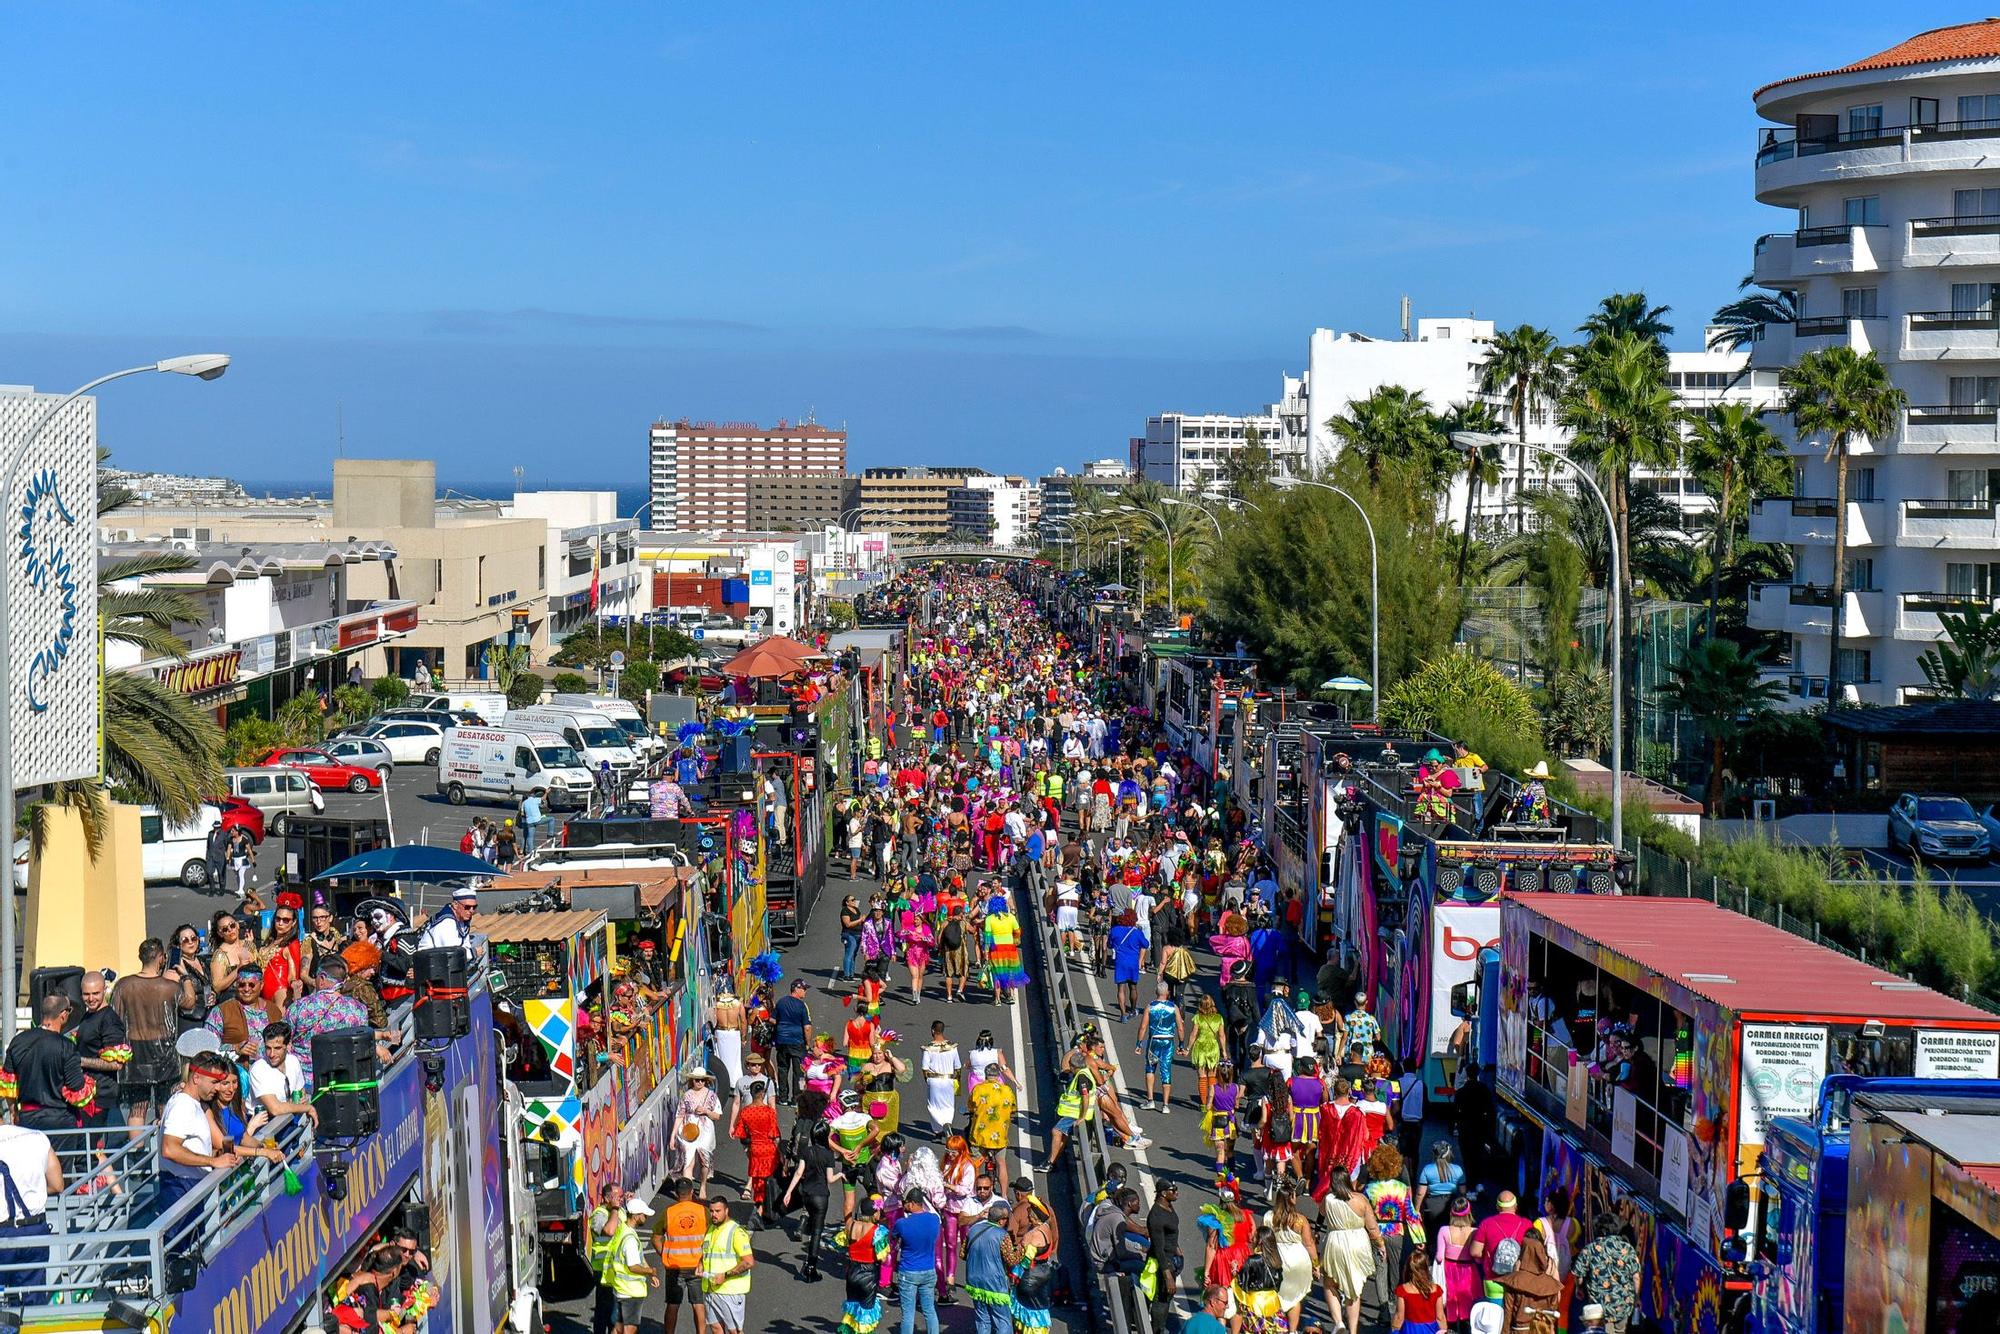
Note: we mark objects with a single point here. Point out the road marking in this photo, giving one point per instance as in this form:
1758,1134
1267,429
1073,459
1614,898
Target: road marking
1022,1072
1117,1071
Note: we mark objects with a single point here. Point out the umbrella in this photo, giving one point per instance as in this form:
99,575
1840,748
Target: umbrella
1113,588
1345,684
776,656
412,861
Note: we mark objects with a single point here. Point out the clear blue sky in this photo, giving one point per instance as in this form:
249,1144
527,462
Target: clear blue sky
504,235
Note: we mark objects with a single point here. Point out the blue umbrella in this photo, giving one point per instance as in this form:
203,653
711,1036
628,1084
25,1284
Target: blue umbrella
412,861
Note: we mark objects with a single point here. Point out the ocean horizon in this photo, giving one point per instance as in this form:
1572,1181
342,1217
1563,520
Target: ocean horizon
630,495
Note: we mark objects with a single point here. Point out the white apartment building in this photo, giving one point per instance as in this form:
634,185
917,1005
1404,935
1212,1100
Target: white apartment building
1191,451
1889,170
1000,511
592,557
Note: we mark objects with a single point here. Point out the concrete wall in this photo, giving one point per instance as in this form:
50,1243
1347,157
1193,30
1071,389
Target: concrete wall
383,493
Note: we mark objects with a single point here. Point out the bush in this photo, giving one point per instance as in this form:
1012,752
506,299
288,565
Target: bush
524,691
638,678
389,691
569,683
301,720
248,739
351,704
1466,698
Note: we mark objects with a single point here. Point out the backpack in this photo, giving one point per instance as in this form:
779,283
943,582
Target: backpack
1507,1257
953,935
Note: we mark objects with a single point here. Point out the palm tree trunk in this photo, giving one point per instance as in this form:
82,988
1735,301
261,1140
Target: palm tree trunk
1520,456
1839,569
1722,524
1471,499
1621,501
1715,776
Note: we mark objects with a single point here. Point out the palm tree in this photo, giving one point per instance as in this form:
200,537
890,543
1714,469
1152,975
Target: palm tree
1393,423
1742,321
1965,664
1525,366
1481,465
1628,313
1737,457
1720,686
1841,394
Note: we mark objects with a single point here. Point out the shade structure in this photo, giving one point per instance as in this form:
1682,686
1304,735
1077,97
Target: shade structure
417,862
775,656
1345,684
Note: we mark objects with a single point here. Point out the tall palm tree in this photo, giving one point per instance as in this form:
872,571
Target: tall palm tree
1737,457
1628,313
1742,321
1720,687
1525,366
1841,394
1481,466
1621,414
1393,423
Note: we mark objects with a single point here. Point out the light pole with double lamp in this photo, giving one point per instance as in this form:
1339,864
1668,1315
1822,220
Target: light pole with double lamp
1286,483
1173,604
1471,440
633,597
203,366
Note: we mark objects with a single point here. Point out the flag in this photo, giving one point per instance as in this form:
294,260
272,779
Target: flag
596,560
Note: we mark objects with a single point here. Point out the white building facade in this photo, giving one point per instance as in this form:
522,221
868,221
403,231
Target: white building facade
1888,170
592,558
999,511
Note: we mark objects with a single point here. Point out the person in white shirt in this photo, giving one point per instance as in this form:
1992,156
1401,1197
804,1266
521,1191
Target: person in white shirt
277,1079
29,1175
453,927
191,1144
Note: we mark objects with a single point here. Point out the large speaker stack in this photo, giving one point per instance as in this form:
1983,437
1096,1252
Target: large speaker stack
347,1078
440,1009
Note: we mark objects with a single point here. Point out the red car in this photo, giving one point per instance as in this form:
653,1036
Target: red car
238,812
325,771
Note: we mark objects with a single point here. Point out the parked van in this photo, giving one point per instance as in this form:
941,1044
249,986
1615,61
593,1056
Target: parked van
278,790
620,711
504,764
176,851
596,737
490,706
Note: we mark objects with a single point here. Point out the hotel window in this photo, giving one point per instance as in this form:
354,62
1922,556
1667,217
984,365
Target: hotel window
1863,121
1968,486
1976,579
1972,299
1863,211
1857,666
1861,484
1923,111
1975,203
1860,574
1859,303
1975,391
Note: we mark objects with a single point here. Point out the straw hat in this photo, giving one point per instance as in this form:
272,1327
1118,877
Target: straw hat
1541,769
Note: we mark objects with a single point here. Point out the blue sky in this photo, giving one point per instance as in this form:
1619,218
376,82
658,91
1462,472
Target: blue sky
497,236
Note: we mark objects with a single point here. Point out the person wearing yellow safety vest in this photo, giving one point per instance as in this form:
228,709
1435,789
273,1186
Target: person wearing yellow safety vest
726,1263
622,1266
597,1231
682,1230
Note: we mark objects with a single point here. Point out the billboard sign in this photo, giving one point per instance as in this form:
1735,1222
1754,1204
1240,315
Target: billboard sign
51,572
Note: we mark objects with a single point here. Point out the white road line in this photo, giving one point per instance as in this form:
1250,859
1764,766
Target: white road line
1023,1072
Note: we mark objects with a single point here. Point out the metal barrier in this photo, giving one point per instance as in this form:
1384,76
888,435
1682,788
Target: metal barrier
1093,1152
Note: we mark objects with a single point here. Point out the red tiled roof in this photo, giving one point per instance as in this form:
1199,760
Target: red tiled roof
1986,1175
1961,41
1768,971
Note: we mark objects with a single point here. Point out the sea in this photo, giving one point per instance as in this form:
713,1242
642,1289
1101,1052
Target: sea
630,495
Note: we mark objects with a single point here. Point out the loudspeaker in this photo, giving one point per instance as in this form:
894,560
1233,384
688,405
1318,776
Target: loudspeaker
66,980
346,1082
440,1008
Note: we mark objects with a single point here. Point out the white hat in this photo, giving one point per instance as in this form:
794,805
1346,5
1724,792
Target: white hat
1541,769
639,1208
465,892
1593,1312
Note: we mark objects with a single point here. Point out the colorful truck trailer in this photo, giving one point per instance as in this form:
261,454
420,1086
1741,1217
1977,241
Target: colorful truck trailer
1648,1045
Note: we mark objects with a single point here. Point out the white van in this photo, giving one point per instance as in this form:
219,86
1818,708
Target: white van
506,763
620,711
597,738
176,851
488,705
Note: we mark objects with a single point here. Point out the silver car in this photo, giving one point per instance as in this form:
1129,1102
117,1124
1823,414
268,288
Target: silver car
1939,826
362,750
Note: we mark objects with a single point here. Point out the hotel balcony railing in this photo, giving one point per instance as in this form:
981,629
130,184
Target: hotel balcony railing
1779,145
1954,319
1937,602
1966,225
1953,414
1821,326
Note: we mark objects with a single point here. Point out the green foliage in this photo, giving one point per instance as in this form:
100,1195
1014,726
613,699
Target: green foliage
584,647
508,664
1575,705
351,704
1466,698
638,678
569,683
249,739
390,692
1718,685
300,721
524,691
1291,581
1396,426
1740,322
840,614
1966,664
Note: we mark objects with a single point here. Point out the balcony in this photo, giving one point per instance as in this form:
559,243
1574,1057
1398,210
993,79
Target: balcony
1917,613
1795,520
1786,257
1951,335
1950,428
1864,333
1955,242
1951,525
1772,348
1785,161
1808,609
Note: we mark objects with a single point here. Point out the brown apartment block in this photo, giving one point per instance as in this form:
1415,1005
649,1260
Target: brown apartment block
791,502
699,473
913,504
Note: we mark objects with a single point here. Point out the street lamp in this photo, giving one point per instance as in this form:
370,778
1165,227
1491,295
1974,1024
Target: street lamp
1173,606
1471,440
1286,483
203,366
630,600
1202,510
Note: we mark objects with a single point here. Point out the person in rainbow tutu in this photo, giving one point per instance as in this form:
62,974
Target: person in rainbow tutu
1002,937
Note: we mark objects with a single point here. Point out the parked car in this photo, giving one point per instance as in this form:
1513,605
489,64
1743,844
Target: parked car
1939,826
170,851
236,811
484,706
324,769
278,792
354,748
438,718
408,741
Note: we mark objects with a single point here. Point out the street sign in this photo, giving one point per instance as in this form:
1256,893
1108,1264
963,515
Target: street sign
700,634
617,659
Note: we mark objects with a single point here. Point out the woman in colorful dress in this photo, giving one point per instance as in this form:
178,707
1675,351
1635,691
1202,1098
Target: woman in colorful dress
824,1072
1418,1301
960,1171
1259,1306
1463,1280
1307,1093
1274,1142
1002,937
1395,1212
1219,1120
1226,1229
877,1082
756,1126
918,937
867,1251
1349,1248
1294,1234
1208,1048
